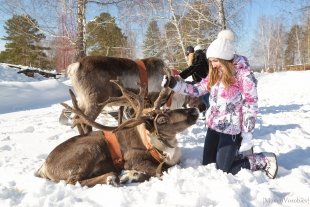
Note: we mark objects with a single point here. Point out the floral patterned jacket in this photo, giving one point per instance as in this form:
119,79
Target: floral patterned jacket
232,110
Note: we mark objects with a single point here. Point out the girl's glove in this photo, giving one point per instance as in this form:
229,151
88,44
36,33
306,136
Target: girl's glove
247,142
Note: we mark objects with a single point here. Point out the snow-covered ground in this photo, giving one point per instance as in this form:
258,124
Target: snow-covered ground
29,130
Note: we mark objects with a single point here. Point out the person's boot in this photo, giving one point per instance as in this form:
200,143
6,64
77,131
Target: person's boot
265,161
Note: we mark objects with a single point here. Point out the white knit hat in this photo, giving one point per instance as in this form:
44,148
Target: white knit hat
198,47
222,47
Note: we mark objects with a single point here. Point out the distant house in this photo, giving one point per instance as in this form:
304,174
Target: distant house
298,67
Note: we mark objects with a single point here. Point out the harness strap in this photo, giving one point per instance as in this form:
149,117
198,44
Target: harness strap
114,148
153,151
143,75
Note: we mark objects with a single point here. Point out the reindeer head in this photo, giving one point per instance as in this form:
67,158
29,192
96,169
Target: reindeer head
163,125
168,122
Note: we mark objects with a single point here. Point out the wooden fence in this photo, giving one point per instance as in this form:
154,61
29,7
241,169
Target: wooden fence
298,67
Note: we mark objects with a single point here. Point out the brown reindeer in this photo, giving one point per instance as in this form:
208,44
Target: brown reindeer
90,78
147,145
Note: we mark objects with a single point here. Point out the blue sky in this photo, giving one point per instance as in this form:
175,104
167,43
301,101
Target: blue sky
3,18
288,10
251,14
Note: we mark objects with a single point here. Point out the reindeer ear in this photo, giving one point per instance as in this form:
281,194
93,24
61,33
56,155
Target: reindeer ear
161,120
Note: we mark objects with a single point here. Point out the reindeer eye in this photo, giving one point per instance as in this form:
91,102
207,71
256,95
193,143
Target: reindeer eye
161,120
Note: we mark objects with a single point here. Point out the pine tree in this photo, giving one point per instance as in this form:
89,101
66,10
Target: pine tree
172,48
293,52
152,45
24,43
104,37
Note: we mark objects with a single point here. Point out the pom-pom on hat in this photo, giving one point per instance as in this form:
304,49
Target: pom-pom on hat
222,47
198,47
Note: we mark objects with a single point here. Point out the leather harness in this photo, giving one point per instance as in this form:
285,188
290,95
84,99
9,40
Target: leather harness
143,75
113,144
115,149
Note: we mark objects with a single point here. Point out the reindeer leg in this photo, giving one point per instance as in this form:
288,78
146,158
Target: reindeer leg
92,112
108,178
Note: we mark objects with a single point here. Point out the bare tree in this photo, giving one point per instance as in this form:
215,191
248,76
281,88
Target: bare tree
268,45
221,13
176,23
81,22
278,45
134,15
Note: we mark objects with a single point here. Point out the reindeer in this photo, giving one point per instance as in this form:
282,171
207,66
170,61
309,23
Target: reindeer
91,75
147,145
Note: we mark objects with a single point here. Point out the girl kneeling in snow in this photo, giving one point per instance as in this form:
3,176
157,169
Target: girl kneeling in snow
233,108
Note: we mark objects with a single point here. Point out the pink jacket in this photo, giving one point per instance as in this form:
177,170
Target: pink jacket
232,110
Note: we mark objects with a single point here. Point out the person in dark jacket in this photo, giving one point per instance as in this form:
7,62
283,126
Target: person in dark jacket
199,69
189,52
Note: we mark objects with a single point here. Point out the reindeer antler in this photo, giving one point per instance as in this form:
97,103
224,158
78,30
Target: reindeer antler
136,101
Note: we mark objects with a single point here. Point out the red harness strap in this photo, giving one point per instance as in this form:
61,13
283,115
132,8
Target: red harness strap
143,75
114,148
154,152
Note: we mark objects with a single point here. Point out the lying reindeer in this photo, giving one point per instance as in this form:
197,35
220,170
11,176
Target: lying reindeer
147,145
91,75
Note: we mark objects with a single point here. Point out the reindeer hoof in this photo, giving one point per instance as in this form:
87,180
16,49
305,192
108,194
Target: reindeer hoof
130,176
113,180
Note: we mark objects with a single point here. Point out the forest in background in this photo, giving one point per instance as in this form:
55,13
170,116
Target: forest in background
53,33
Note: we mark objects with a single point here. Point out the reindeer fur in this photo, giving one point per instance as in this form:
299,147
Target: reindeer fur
86,158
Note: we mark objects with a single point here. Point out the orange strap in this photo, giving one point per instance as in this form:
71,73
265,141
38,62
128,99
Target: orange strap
115,149
154,152
143,75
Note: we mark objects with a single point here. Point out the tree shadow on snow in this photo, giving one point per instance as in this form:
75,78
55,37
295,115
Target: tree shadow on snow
294,159
279,109
263,131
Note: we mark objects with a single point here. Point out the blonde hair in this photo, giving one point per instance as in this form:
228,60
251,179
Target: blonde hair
227,77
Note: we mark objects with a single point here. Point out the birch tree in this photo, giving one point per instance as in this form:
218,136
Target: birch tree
268,45
221,13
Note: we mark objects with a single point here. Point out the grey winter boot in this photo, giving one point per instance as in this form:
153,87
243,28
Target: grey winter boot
265,161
